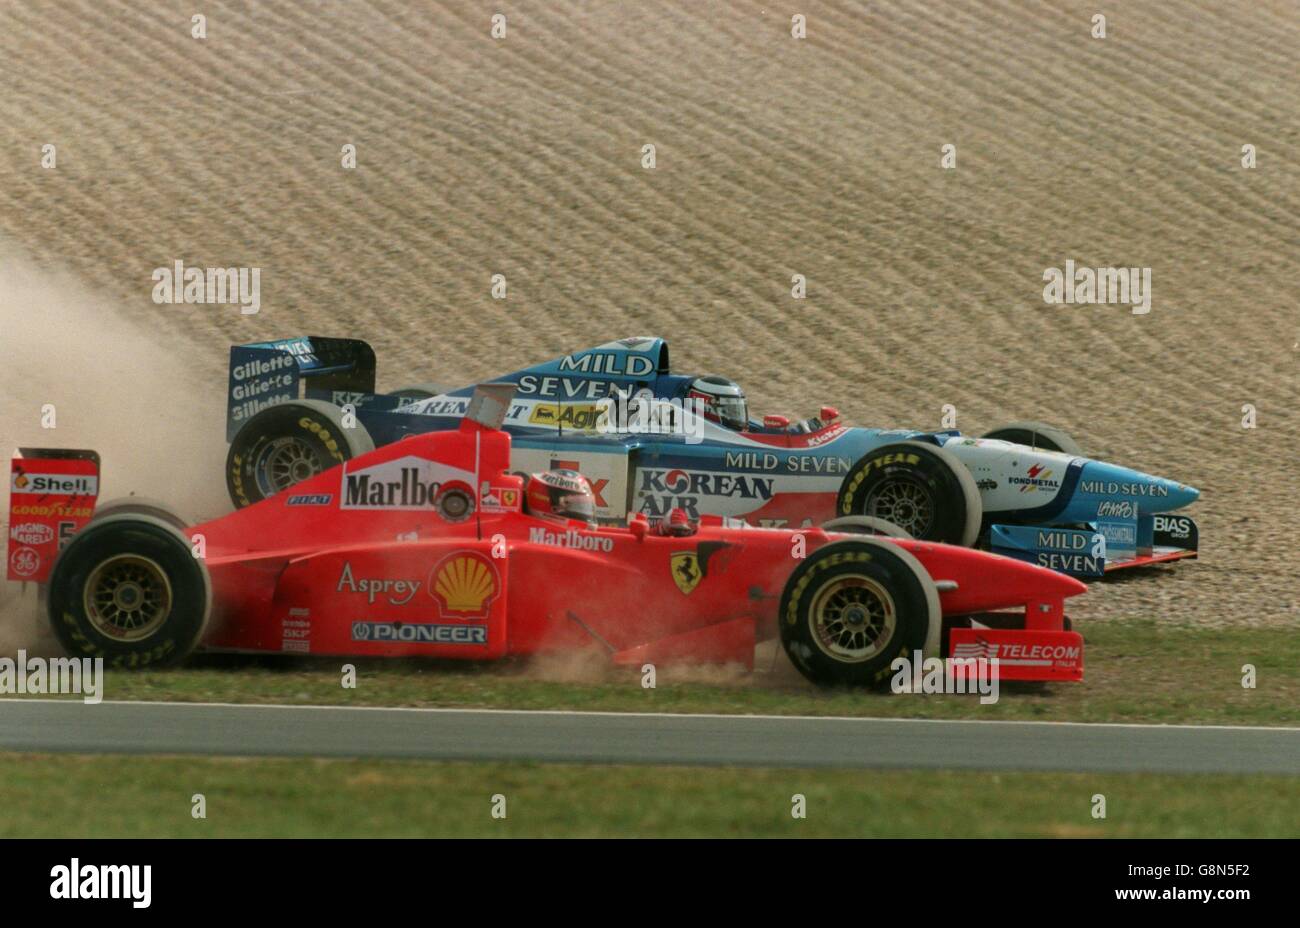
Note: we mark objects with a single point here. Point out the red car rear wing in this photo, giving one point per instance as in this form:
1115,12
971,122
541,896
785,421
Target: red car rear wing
52,493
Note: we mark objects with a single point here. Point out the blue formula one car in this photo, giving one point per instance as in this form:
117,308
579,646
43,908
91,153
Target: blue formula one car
650,441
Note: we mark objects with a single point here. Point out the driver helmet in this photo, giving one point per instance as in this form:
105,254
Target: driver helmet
723,401
677,523
561,495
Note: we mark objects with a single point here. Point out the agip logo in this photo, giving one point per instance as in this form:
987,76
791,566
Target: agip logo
584,418
464,584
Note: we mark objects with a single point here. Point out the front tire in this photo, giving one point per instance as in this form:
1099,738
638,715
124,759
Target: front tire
864,525
140,506
1036,435
287,444
129,590
852,607
921,488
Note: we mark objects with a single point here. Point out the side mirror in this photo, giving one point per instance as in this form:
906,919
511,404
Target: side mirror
828,414
776,422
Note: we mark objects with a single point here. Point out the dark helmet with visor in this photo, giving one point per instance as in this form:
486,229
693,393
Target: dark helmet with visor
723,401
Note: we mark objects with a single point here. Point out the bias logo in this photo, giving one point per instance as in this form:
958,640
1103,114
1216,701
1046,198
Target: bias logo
1173,526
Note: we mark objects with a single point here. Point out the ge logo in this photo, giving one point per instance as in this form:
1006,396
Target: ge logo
360,631
24,562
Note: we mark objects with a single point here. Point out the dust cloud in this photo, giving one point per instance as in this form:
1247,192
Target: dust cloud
116,387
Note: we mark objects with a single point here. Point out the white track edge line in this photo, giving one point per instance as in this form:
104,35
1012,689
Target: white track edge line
656,715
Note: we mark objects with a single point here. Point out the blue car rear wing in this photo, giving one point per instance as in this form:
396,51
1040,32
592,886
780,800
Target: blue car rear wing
264,374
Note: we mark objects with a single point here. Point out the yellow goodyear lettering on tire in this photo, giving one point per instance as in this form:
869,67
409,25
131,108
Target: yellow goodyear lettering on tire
898,457
136,659
846,557
792,608
324,435
840,557
89,648
237,479
144,658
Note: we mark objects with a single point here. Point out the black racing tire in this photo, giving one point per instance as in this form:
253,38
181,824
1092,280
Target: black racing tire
1036,435
852,607
127,561
920,487
139,506
422,391
286,444
865,525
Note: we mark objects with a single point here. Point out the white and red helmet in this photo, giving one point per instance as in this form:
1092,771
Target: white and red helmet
560,495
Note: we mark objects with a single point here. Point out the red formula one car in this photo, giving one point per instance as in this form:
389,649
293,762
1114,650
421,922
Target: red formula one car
425,547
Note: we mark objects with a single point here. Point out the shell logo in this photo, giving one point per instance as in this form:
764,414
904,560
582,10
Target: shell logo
464,584
20,481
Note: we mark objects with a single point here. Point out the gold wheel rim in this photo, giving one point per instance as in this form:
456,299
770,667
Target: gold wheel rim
853,618
128,597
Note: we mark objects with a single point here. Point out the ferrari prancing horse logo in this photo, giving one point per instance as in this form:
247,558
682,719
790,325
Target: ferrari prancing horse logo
685,567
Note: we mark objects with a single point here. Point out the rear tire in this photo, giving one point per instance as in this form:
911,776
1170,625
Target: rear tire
921,488
287,444
129,590
1036,435
852,607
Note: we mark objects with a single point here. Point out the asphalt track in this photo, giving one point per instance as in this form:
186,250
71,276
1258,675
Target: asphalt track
639,738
